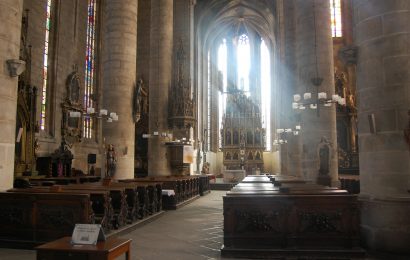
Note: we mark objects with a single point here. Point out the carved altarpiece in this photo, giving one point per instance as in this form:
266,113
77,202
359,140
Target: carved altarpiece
243,138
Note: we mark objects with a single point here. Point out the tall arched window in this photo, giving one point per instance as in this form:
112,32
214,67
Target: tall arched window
336,18
44,96
243,58
266,92
90,65
222,68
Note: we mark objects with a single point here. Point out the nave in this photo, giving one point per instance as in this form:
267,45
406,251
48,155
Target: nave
193,232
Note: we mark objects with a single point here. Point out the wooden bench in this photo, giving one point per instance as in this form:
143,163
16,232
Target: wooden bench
293,219
28,219
100,201
66,180
118,200
204,186
149,196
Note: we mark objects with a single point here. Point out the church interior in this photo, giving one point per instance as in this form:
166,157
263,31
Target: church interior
287,121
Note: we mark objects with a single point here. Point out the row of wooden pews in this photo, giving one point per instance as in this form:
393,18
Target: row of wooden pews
283,216
46,211
111,204
177,190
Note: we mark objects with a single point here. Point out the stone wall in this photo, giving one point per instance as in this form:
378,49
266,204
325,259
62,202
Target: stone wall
67,49
10,18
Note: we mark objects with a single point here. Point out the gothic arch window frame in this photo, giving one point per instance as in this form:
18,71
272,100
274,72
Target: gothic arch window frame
336,18
47,96
91,72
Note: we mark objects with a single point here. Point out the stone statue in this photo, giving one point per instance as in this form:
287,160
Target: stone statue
140,106
324,156
111,161
205,168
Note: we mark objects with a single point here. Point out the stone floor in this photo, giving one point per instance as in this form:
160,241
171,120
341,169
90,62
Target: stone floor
192,232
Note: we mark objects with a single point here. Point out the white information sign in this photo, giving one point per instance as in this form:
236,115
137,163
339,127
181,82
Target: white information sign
87,234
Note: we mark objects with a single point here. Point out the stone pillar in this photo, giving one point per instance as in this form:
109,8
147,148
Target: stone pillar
315,126
232,69
118,77
10,18
382,35
160,82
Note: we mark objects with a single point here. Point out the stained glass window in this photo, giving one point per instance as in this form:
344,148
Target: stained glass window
243,62
266,92
89,65
45,66
208,137
336,18
222,67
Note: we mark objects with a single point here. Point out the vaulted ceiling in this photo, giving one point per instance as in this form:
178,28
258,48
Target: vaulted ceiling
216,19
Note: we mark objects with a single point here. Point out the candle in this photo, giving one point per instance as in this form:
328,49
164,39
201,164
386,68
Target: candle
307,95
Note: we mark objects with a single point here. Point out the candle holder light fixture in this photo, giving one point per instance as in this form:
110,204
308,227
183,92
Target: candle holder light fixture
91,113
284,133
311,100
321,99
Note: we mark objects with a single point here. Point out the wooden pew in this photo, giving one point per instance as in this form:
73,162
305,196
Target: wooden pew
152,195
100,202
184,187
264,220
66,180
28,219
132,199
203,186
118,200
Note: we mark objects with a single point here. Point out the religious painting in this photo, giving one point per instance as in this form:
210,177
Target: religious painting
250,156
235,137
73,88
258,156
72,111
257,137
228,137
235,156
249,137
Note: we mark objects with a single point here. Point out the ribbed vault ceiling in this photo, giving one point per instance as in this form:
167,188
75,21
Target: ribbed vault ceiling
218,18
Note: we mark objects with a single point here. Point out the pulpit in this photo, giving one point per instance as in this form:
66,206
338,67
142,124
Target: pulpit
181,156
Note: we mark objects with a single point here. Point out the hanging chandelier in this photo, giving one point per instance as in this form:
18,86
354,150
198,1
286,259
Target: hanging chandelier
91,113
284,133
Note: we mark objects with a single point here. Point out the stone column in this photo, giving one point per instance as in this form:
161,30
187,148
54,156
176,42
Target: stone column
10,18
382,35
315,126
160,82
118,78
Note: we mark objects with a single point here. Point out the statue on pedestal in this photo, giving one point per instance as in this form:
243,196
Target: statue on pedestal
111,161
324,162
